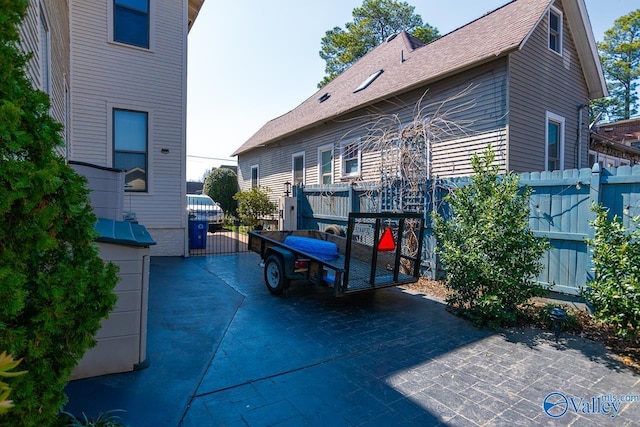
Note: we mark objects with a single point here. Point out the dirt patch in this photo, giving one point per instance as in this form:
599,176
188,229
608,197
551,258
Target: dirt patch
626,351
431,288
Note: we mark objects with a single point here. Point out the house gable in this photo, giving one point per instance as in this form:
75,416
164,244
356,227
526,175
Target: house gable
544,83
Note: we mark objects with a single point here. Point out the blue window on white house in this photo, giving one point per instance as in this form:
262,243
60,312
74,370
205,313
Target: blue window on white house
555,30
298,168
131,22
130,134
351,159
255,176
45,51
325,165
554,150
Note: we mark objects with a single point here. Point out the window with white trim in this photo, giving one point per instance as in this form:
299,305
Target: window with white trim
325,164
131,22
555,30
130,147
554,148
255,176
297,168
350,155
45,51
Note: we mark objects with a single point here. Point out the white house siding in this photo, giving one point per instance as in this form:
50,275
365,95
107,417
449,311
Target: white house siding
107,75
29,42
451,153
481,114
541,81
56,14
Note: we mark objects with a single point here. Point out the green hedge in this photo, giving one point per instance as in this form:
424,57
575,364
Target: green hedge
53,286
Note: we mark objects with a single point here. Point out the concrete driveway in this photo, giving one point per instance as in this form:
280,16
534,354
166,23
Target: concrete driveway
224,352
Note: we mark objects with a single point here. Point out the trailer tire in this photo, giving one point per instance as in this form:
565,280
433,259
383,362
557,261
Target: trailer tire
274,275
334,229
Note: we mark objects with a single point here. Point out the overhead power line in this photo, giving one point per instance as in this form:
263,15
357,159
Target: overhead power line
227,159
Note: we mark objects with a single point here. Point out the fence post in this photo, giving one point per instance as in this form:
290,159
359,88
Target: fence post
594,192
354,204
594,198
236,234
432,193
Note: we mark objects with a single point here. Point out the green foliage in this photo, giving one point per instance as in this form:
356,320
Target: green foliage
540,317
6,364
254,205
372,23
620,57
221,185
54,287
104,419
615,291
488,251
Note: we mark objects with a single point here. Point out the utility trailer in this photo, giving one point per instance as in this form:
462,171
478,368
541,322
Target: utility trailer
378,251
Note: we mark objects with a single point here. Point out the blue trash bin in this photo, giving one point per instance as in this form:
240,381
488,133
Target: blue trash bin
198,234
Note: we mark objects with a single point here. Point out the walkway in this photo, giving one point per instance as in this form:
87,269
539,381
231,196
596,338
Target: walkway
224,352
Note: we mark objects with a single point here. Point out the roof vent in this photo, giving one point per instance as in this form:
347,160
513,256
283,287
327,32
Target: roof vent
368,81
391,37
324,97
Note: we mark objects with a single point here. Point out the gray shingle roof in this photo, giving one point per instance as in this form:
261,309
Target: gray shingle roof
408,65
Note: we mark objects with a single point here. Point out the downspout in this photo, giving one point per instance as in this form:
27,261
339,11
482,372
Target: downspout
581,107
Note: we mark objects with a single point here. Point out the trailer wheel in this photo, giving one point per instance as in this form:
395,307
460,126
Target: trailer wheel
274,276
334,229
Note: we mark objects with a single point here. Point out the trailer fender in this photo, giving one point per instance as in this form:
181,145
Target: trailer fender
288,259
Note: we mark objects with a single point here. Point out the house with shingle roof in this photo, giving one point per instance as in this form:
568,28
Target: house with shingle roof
518,78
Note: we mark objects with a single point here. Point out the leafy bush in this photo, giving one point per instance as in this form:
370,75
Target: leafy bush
615,290
490,255
221,185
254,205
54,287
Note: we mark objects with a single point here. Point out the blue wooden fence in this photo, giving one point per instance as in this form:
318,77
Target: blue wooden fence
560,211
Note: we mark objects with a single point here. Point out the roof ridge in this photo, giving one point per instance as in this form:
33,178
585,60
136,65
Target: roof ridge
475,20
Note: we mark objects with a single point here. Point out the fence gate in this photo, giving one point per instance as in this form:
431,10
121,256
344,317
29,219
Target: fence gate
216,242
207,232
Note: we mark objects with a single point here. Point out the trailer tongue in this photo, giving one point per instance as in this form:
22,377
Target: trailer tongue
379,250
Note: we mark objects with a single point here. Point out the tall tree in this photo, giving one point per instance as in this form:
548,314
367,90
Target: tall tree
372,23
221,185
620,56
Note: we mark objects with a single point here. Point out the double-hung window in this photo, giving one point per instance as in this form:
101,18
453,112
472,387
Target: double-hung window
297,166
350,152
325,164
131,24
554,150
130,135
255,176
555,30
45,51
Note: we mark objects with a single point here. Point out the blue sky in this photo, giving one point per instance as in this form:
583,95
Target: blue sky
250,61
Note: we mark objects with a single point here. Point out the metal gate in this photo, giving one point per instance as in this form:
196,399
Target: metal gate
224,241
